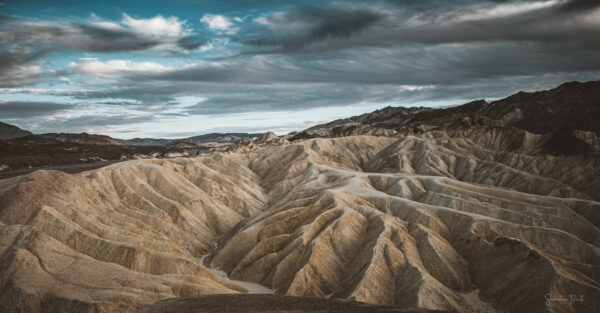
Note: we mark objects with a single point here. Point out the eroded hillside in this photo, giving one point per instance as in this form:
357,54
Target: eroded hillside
470,219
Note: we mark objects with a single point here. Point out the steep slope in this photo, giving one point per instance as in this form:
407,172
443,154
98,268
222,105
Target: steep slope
441,223
8,131
117,238
453,219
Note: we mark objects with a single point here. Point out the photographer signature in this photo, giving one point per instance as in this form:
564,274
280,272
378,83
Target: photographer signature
570,299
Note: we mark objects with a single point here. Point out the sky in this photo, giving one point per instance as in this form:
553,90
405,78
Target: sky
180,68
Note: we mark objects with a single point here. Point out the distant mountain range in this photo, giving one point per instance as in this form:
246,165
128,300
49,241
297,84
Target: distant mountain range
567,114
8,132
212,137
22,152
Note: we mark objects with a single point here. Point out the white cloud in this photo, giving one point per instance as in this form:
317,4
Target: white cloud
157,27
263,20
94,67
507,9
166,30
107,25
219,23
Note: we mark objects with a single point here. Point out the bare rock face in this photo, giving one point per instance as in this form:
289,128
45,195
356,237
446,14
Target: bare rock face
267,137
461,220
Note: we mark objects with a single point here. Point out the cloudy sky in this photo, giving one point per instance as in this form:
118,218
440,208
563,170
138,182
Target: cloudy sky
186,67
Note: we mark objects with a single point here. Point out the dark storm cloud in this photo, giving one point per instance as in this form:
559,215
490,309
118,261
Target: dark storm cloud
576,5
190,42
425,22
568,5
98,39
18,67
301,26
445,64
27,109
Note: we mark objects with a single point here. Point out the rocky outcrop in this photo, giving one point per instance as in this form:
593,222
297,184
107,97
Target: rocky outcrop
267,137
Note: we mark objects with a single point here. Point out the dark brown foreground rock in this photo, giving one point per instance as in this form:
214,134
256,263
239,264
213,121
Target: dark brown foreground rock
250,303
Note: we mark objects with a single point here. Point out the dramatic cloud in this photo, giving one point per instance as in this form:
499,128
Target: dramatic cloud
301,26
130,34
26,109
17,69
446,64
342,26
96,123
274,58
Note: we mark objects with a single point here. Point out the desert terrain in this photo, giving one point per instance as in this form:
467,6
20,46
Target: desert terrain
486,207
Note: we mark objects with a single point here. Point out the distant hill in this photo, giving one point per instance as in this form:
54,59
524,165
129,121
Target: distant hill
181,143
144,141
8,131
212,137
22,152
220,137
83,138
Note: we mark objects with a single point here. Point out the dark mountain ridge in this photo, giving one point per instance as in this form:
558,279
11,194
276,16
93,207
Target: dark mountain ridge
568,114
8,131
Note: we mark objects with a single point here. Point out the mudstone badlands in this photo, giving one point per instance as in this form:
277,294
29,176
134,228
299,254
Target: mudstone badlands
486,207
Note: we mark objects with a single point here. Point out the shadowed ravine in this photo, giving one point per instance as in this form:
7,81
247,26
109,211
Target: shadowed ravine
443,220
